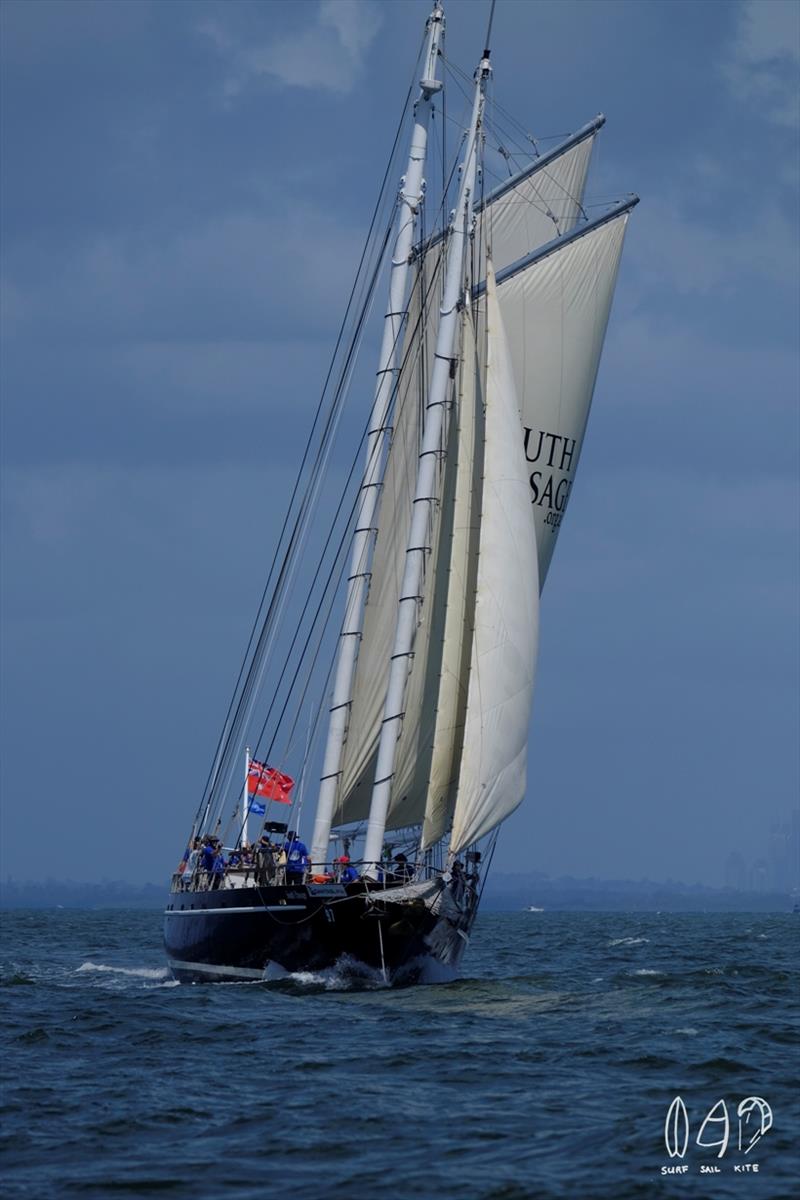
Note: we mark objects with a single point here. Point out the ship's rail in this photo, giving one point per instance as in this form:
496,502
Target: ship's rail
267,871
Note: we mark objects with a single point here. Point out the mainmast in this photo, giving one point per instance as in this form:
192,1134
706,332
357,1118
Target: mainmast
410,196
425,494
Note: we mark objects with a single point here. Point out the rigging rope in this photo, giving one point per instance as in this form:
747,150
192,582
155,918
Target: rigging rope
231,725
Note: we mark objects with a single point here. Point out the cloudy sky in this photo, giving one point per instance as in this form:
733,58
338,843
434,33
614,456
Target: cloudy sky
185,188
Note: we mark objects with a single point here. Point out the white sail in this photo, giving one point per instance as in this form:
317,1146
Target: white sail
394,519
539,206
460,536
539,203
555,310
500,693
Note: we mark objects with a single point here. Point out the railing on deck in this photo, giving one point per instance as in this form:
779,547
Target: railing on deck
266,871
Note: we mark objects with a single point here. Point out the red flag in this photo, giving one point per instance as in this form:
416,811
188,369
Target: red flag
266,781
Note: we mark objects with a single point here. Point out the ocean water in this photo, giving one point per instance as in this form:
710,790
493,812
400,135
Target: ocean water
547,1070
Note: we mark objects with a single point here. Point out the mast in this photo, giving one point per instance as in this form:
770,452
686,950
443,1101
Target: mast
425,494
245,804
410,196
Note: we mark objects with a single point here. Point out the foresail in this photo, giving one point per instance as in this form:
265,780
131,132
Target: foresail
500,692
555,310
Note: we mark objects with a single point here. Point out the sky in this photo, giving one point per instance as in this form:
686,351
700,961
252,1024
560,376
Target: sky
185,188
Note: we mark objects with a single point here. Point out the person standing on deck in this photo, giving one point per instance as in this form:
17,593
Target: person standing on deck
218,868
296,858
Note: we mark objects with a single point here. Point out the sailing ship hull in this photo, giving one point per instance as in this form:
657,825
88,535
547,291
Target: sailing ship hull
261,933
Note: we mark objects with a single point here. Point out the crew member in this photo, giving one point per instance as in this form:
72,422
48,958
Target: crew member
403,868
297,859
347,872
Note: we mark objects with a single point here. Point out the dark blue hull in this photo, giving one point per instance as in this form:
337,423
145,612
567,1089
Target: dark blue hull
256,933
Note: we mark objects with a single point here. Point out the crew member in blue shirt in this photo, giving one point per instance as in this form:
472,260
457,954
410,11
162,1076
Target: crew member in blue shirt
344,871
207,856
296,858
218,869
349,874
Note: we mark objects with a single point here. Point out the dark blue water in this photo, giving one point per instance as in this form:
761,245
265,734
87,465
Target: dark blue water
547,1071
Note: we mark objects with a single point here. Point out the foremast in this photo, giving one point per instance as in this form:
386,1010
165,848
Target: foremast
410,197
425,496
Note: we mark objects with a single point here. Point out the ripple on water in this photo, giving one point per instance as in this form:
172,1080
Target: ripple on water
532,1077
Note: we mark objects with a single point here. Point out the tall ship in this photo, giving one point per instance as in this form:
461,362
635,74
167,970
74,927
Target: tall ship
392,660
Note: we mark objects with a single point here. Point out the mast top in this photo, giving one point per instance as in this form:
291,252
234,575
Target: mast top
488,41
435,27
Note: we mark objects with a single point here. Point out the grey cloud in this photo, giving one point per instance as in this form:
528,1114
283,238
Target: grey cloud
328,53
763,59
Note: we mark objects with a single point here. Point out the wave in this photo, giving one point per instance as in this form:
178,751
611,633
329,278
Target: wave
344,976
16,979
630,941
155,973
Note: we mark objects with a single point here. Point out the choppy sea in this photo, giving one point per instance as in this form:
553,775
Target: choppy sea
547,1070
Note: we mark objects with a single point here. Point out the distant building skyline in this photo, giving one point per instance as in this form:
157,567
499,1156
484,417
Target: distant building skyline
776,868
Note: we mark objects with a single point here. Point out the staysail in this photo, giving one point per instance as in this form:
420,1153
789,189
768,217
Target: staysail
506,619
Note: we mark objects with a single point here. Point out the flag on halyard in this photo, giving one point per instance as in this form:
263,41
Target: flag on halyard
257,808
265,781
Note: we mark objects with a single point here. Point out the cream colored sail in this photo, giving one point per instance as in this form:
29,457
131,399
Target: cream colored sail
542,202
541,206
493,762
555,311
358,768
461,527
